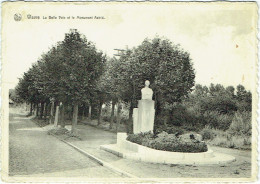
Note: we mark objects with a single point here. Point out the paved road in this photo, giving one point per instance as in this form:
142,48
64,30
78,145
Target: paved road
34,153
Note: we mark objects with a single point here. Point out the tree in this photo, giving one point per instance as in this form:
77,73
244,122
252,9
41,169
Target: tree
30,87
83,67
217,98
244,98
165,65
108,86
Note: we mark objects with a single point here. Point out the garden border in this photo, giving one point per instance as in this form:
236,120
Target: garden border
129,150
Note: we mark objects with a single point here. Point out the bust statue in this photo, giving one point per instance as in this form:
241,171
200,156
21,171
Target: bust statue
147,93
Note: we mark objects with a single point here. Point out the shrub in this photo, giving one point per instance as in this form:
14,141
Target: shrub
223,103
225,138
217,120
234,141
168,142
210,133
106,118
179,115
241,124
139,138
221,141
58,131
177,130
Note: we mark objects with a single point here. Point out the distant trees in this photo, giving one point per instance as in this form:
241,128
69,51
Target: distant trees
214,106
220,99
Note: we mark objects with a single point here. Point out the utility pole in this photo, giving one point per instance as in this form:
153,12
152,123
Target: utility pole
119,52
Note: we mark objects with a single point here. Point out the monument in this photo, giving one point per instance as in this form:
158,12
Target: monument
143,116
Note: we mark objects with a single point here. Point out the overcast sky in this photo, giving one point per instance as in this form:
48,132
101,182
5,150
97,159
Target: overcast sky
220,39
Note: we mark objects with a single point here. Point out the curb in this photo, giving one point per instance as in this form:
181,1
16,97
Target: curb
99,161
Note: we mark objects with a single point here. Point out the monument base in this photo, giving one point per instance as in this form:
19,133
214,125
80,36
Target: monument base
130,150
143,116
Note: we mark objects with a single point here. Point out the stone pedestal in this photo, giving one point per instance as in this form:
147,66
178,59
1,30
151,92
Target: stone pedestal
143,116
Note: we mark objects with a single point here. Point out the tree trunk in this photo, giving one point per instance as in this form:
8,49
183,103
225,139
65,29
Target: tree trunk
75,117
131,108
31,109
112,114
34,109
129,123
100,113
26,106
46,110
37,109
56,120
62,120
118,118
52,113
89,112
70,112
83,111
157,105
42,110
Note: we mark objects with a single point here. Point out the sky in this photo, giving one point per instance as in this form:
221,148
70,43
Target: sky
220,37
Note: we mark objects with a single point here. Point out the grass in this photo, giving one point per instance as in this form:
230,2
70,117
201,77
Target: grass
226,139
104,125
236,142
41,122
57,131
238,135
63,133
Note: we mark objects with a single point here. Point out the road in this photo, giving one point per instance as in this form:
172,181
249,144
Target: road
34,153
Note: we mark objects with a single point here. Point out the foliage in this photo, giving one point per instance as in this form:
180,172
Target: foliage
83,66
167,142
216,120
79,66
68,72
75,73
214,106
14,96
226,138
58,131
29,88
241,124
234,141
210,133
177,130
139,138
165,65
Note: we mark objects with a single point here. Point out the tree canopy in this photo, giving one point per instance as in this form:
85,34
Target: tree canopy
166,65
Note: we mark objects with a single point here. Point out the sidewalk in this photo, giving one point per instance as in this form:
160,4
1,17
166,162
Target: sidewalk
92,138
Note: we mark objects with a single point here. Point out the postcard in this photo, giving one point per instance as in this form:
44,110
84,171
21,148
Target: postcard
129,92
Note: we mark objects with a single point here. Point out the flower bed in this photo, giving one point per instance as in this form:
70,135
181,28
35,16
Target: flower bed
168,142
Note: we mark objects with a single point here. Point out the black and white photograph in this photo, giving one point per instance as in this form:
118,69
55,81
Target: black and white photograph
129,92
